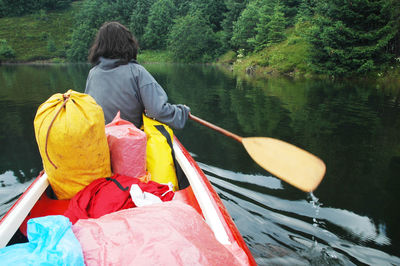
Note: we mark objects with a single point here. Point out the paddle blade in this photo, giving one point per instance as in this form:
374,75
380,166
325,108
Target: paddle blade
288,162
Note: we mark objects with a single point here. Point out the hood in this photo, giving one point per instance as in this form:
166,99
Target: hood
107,63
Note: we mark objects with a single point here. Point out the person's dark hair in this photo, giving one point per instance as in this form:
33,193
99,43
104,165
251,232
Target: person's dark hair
113,40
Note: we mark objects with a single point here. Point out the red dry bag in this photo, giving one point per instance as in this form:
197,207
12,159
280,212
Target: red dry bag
106,195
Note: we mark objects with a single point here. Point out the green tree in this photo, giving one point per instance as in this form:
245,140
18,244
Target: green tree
393,46
276,26
244,28
234,8
305,10
92,15
17,7
212,10
352,37
54,4
192,39
159,23
88,20
290,9
81,39
120,10
139,16
21,7
266,11
6,52
182,7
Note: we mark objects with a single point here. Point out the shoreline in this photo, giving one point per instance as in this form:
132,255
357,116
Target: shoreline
246,72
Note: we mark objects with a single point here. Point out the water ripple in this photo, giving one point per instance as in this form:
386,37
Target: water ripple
298,229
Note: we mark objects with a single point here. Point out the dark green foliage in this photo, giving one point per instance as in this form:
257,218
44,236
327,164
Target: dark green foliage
244,28
261,23
290,9
6,52
260,40
393,46
305,10
182,7
212,10
54,4
234,8
119,10
276,26
160,19
21,7
350,37
81,40
139,17
41,15
88,20
93,14
341,37
192,39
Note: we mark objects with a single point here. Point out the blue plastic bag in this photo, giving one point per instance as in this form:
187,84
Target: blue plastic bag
51,242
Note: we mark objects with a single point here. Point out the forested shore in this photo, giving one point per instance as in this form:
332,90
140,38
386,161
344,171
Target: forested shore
334,38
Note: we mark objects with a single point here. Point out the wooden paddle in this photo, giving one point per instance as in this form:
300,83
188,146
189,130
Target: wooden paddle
288,162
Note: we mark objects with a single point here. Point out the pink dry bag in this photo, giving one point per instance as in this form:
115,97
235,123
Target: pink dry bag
168,233
127,146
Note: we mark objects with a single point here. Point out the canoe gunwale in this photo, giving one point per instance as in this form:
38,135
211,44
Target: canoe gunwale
208,207
13,219
235,243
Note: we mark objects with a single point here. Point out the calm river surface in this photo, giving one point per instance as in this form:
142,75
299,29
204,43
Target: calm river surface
353,218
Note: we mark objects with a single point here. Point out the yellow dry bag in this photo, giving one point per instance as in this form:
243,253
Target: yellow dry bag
70,133
159,158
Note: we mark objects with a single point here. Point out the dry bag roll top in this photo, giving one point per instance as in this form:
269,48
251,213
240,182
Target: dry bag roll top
70,133
159,150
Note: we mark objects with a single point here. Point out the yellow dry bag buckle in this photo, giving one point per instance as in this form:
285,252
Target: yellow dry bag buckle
160,155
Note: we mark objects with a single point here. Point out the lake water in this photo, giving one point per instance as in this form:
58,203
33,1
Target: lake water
354,127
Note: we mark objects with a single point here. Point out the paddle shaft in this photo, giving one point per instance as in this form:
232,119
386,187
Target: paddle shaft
216,128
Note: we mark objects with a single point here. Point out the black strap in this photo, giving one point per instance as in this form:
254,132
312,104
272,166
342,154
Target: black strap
167,136
117,183
165,133
183,182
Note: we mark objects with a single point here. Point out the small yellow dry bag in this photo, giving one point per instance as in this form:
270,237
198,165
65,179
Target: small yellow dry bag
159,160
70,133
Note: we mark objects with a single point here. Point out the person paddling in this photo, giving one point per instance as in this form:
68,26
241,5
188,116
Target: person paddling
118,83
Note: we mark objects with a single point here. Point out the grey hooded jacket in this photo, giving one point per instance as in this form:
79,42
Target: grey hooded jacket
131,89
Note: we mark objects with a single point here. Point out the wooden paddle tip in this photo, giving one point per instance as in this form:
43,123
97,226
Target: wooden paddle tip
293,165
315,179
308,180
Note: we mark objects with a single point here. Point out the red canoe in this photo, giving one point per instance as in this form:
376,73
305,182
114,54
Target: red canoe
199,194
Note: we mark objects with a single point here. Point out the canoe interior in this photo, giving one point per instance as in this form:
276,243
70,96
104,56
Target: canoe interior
195,191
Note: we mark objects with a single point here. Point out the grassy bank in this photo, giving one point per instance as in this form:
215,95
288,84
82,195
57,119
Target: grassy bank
290,57
39,36
155,56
